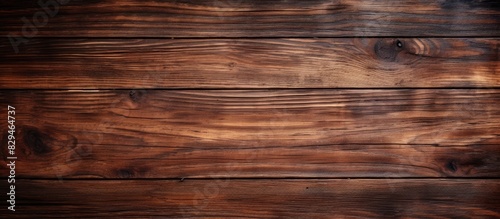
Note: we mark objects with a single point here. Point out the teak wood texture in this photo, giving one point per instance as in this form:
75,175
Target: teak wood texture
251,108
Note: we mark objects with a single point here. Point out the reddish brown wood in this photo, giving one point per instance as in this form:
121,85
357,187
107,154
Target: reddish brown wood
221,110
395,198
261,133
251,63
261,18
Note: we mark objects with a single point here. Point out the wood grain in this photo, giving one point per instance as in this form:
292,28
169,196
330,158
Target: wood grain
256,133
252,63
252,108
341,198
250,18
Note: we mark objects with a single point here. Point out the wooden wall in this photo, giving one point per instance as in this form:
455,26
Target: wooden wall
251,108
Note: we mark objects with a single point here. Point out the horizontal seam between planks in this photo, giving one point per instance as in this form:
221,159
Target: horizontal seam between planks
252,88
262,37
261,178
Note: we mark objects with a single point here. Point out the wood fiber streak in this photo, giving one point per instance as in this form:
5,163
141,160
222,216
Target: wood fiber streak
258,133
251,63
255,18
395,198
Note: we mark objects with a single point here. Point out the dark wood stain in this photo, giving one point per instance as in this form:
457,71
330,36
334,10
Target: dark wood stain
249,18
251,63
470,4
337,133
252,108
262,198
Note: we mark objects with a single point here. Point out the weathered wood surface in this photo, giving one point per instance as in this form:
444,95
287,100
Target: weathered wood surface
374,161
251,63
262,133
251,18
339,198
218,108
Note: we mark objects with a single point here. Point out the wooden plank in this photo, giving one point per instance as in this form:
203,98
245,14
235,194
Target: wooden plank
251,63
397,198
374,161
250,18
259,133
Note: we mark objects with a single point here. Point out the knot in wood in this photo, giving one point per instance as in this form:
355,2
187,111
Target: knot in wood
35,141
388,50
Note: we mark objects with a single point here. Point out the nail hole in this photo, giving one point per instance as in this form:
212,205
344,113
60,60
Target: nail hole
399,44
